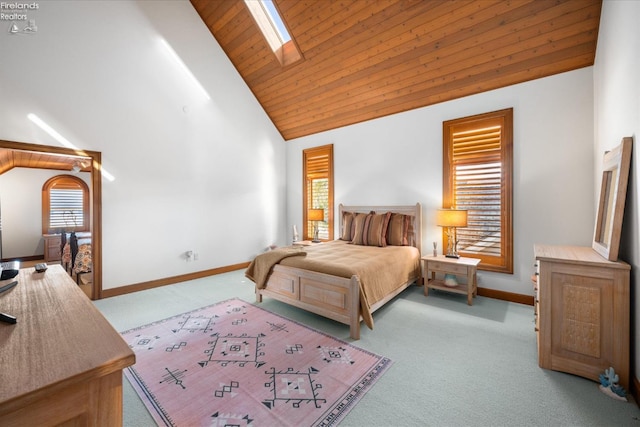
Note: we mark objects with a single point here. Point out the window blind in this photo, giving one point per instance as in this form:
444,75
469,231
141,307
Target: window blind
477,188
317,165
66,208
477,177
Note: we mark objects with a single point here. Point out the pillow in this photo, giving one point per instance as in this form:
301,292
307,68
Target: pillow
377,232
348,230
360,227
398,230
371,229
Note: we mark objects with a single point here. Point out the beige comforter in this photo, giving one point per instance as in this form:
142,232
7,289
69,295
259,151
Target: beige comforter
380,270
261,266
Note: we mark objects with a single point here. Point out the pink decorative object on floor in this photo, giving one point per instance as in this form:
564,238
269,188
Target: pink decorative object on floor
235,363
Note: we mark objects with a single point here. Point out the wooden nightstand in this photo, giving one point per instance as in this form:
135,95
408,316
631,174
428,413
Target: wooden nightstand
456,266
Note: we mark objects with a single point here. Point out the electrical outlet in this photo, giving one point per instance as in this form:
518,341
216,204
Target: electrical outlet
189,255
196,256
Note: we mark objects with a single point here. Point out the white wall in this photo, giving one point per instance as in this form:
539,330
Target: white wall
398,160
21,210
190,173
617,114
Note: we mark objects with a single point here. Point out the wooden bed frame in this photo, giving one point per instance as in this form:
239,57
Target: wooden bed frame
334,297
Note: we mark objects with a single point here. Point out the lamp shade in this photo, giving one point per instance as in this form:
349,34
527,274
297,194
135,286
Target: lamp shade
451,218
315,215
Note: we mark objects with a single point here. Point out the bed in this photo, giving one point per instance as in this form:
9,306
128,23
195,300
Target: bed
76,253
348,279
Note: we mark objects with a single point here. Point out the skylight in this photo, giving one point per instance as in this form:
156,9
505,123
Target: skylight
276,20
274,30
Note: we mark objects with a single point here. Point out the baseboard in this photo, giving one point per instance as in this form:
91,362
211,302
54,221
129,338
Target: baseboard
506,296
122,290
107,293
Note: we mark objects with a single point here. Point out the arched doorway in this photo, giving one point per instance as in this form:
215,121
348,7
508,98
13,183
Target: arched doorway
96,199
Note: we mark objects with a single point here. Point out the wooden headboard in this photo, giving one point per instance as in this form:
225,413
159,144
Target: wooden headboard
415,211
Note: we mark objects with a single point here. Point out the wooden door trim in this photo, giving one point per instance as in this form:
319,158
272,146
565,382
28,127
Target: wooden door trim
96,200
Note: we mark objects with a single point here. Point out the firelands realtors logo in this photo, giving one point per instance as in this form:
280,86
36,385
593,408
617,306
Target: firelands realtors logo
19,16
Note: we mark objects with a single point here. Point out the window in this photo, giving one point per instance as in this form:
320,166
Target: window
317,190
65,204
276,21
477,176
272,26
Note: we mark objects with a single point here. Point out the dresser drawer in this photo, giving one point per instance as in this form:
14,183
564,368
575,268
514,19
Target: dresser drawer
447,268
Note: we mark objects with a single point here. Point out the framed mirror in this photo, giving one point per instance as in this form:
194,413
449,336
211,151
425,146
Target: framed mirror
613,192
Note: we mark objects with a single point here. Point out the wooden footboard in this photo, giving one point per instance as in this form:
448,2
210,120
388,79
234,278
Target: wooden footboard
336,298
333,297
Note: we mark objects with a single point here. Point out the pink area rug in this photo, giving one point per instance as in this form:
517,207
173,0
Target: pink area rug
233,363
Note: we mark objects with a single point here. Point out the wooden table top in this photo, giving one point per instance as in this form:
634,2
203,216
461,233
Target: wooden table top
60,338
579,255
462,260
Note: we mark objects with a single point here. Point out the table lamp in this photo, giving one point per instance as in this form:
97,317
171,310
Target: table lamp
451,219
315,215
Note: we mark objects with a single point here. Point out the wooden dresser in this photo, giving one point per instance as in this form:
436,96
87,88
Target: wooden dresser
582,312
62,361
52,247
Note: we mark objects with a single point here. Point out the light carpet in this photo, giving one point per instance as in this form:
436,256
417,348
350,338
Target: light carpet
233,363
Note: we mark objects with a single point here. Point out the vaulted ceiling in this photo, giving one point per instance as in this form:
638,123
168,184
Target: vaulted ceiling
363,59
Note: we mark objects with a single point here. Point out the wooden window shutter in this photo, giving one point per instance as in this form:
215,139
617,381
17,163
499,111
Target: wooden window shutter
477,176
318,190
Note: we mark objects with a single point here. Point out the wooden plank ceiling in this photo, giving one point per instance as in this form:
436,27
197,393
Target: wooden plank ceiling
364,59
10,159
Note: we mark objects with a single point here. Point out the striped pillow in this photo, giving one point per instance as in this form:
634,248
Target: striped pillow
398,230
360,228
372,229
348,230
377,232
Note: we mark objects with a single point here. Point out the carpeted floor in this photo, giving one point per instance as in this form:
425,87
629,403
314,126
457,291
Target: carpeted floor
454,364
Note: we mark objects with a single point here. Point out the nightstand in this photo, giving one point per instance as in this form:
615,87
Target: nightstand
457,266
52,249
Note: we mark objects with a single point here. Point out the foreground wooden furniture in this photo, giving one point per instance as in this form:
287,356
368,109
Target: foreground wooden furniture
466,267
334,297
62,361
582,312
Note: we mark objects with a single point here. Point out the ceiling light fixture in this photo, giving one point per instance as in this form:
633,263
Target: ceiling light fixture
78,166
